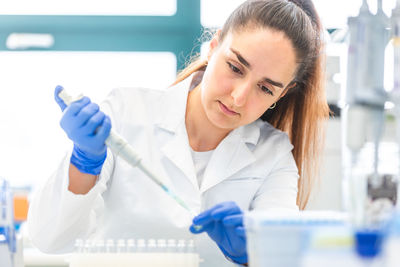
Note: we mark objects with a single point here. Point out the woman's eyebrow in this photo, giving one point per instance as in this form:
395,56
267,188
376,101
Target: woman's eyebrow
240,58
278,84
247,64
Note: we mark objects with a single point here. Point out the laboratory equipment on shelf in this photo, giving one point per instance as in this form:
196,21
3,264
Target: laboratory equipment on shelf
395,40
370,189
7,231
392,246
131,252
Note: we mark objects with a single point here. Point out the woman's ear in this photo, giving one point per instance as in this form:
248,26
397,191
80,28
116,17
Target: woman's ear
213,44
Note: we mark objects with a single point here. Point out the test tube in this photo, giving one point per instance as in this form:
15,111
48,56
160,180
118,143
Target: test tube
181,247
99,246
171,245
131,247
121,248
191,248
141,245
78,246
161,245
151,245
110,247
87,248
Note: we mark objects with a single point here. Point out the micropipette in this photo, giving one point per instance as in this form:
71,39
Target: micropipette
120,147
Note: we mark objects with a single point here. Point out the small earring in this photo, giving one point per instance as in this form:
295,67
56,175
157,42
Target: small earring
273,106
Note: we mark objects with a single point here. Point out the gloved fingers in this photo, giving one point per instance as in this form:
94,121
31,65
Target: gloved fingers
59,101
74,108
228,208
93,123
203,221
197,230
217,212
240,231
233,220
68,121
104,130
86,113
205,216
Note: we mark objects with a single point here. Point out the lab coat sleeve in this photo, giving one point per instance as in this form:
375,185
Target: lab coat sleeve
57,217
279,189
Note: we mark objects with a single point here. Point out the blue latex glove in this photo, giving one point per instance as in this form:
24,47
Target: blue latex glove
224,224
88,127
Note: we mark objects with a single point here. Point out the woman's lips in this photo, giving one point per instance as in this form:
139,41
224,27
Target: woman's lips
226,110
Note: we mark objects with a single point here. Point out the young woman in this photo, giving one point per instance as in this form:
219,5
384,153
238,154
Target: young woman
238,131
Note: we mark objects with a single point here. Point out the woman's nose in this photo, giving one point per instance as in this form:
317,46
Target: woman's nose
240,94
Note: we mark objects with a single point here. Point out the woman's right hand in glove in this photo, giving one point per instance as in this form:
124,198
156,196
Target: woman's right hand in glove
88,127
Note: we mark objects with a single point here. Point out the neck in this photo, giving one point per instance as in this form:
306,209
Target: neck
202,134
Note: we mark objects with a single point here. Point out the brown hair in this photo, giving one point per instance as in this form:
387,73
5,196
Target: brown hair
303,111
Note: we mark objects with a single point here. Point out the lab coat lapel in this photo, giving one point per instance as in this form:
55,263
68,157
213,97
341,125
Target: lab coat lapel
231,155
177,151
172,120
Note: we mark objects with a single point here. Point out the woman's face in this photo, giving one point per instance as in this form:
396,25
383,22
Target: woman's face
246,74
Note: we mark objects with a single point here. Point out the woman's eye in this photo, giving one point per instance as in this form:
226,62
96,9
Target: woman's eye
234,68
265,89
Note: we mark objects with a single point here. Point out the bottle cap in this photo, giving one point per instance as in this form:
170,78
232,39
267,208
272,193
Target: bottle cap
368,243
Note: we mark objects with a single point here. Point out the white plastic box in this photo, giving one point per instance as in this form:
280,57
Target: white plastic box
281,239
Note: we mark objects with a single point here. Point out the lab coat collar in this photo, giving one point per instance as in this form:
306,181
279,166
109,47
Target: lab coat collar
173,107
231,155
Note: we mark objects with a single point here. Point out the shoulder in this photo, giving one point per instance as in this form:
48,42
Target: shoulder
272,140
150,97
131,99
133,105
130,95
269,133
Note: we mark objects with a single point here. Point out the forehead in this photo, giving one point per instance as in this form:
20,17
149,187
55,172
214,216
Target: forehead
269,52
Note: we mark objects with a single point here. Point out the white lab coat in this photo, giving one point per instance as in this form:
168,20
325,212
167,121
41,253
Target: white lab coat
252,166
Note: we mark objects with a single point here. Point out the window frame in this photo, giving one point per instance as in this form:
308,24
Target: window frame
178,34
